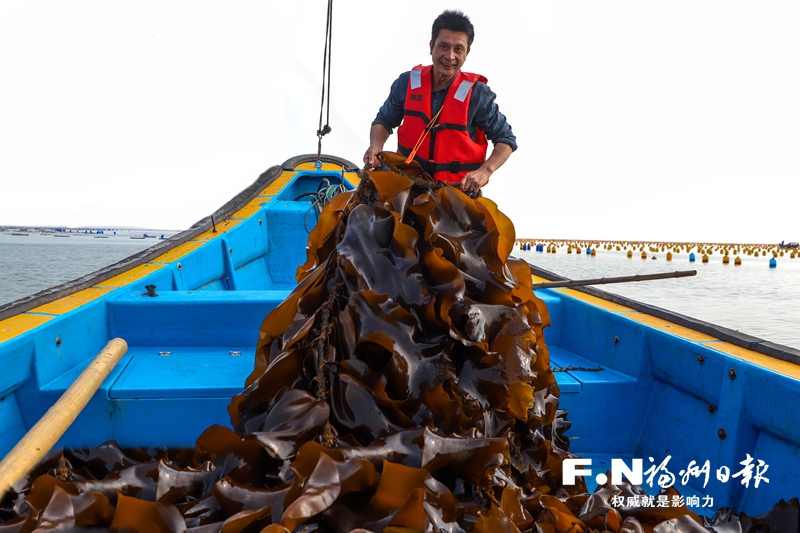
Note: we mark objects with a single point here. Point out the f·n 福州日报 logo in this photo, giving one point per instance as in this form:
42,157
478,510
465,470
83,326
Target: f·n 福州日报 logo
618,468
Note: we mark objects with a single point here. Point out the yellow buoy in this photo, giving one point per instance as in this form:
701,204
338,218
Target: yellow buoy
737,261
725,260
669,256
630,254
705,258
644,255
594,252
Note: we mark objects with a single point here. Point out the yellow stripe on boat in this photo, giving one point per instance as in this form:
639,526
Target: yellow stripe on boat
595,301
251,208
669,327
19,324
178,252
130,276
221,228
273,188
352,178
777,365
313,166
71,302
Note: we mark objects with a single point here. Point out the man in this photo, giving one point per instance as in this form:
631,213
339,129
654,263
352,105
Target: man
445,116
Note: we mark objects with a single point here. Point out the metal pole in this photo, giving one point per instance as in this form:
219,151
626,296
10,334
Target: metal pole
622,279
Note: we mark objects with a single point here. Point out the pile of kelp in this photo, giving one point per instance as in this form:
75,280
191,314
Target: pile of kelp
404,386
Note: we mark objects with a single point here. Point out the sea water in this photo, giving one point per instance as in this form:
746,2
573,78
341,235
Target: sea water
35,261
751,298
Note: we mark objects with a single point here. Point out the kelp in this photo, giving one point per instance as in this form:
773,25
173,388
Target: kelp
404,386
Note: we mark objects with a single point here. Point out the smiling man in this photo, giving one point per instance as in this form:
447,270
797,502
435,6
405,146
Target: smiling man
445,116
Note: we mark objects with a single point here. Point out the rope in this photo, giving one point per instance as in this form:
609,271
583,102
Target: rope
320,199
326,88
326,327
422,137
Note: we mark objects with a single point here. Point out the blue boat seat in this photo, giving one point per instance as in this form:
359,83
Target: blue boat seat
575,373
226,319
183,373
180,390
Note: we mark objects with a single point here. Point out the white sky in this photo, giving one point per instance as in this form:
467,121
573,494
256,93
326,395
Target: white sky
637,120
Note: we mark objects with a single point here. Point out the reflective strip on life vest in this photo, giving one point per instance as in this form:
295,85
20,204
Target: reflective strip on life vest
463,90
416,79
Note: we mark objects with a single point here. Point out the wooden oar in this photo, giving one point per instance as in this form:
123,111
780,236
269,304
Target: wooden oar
621,279
38,442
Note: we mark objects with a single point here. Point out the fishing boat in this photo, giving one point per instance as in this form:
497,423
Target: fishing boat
705,409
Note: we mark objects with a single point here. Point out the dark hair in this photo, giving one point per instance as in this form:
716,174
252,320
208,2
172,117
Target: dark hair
453,20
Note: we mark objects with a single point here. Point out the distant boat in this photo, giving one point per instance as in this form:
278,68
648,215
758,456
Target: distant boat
56,235
788,245
134,237
20,234
101,236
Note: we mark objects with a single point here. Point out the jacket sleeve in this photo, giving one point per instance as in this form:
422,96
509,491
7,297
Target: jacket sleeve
390,115
488,118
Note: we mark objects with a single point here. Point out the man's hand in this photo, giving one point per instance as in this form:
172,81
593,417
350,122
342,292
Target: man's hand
378,135
473,181
371,159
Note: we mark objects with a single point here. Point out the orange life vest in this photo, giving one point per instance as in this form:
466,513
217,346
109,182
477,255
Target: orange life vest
448,152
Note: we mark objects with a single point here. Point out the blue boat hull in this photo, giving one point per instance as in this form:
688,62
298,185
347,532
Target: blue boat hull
641,382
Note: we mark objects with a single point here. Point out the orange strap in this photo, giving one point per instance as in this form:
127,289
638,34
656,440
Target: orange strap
422,137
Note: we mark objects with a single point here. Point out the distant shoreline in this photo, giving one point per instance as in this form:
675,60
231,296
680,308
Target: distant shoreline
81,229
133,233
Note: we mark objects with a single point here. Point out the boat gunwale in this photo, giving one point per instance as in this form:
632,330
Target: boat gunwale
248,194
743,340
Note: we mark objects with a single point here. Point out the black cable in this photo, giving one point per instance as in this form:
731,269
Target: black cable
326,70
